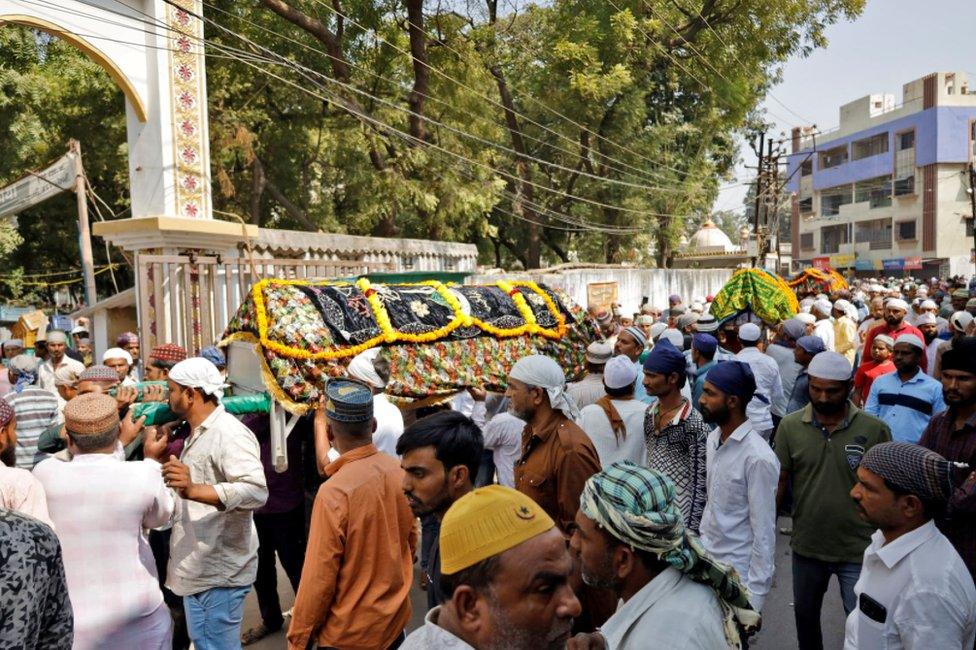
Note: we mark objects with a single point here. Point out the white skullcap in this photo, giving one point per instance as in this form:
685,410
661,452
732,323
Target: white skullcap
910,339
749,332
697,307
822,305
620,371
928,304
807,318
887,340
79,329
361,367
197,372
842,305
541,371
657,329
927,318
807,302
117,353
896,303
961,320
677,338
832,366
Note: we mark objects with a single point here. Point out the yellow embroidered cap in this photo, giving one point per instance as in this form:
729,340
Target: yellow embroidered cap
486,522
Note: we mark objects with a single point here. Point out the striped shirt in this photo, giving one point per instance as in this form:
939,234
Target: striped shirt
35,409
906,406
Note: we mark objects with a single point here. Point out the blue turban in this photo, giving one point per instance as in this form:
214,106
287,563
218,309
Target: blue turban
705,343
214,355
733,378
665,359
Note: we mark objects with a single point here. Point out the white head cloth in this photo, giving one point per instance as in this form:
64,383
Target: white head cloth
896,303
961,320
117,353
361,367
928,318
620,371
807,318
832,366
842,305
887,340
677,338
823,306
197,372
543,372
910,339
928,304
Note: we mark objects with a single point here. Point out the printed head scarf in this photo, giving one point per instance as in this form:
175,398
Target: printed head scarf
637,506
543,372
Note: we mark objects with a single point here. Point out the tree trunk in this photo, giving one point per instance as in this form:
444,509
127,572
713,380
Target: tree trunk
258,183
421,72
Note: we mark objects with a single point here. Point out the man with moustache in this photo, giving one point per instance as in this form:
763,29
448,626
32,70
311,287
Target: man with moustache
894,326
439,455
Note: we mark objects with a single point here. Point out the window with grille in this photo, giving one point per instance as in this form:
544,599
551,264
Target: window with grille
876,144
906,230
906,140
833,157
876,233
832,198
905,164
831,238
876,191
806,240
806,168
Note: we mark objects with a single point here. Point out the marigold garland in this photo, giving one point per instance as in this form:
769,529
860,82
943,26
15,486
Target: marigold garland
390,335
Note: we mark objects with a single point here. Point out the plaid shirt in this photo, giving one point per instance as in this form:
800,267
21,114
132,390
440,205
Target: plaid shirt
958,446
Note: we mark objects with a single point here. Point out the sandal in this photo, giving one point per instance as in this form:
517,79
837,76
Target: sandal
256,633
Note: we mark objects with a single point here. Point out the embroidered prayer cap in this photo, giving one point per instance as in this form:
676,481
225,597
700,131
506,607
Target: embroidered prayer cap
637,334
927,318
67,376
910,339
733,378
214,355
603,317
126,338
961,356
57,336
348,400
619,372
887,340
676,338
896,303
636,506
91,414
98,373
811,344
830,365
598,353
795,328
170,352
911,468
197,372
961,320
6,412
704,343
686,319
486,522
543,372
749,332
117,353
665,359
971,303
644,319
707,323
960,293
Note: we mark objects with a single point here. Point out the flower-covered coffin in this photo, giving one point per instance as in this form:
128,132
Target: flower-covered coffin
437,339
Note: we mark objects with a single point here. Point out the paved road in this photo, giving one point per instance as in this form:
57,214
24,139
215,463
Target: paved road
779,630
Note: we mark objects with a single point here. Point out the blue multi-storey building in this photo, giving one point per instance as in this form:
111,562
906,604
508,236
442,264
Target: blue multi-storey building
887,192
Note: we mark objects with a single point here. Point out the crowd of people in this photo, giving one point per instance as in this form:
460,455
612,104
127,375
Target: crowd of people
634,508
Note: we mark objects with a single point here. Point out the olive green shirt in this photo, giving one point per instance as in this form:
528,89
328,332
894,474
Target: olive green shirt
826,524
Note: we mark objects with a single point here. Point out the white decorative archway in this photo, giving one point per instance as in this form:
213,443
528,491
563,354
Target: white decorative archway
152,50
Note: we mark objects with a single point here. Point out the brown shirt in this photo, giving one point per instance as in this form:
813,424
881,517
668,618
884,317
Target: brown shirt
355,585
556,461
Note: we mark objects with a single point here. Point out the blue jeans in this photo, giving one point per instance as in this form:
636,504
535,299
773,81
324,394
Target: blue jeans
810,579
214,617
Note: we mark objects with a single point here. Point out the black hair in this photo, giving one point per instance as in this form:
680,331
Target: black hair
455,437
162,364
931,509
623,391
707,355
89,442
748,344
477,576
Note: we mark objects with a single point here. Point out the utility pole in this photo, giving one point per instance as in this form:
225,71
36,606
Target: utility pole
972,202
84,231
760,188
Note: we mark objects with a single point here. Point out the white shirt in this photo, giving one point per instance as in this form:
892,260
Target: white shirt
503,436
210,547
45,372
925,589
768,384
671,611
825,330
588,389
594,421
931,351
389,424
738,526
100,506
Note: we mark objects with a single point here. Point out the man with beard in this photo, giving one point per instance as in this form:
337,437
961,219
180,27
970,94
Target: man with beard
630,343
439,455
738,526
929,328
907,398
894,326
952,433
959,324
630,539
820,447
914,590
506,573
